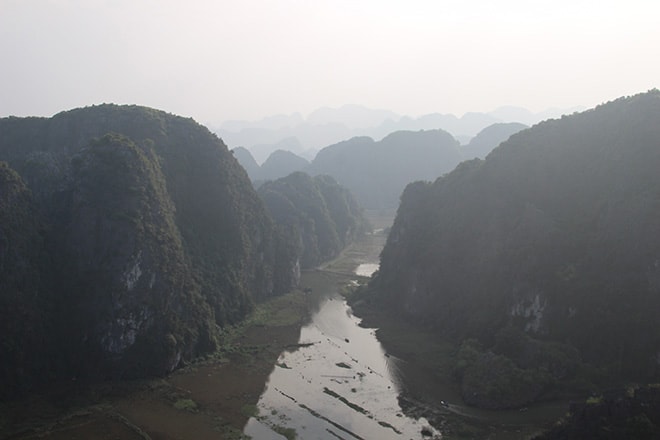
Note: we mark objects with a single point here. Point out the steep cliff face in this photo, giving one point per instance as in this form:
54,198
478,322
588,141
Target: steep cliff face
127,289
554,234
318,216
155,235
23,314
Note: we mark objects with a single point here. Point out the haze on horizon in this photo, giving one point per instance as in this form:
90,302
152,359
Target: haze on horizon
248,59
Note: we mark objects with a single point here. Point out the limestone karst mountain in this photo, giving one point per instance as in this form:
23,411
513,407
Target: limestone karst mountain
542,253
134,235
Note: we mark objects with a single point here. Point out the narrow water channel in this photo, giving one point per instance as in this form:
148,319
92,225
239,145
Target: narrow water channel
340,383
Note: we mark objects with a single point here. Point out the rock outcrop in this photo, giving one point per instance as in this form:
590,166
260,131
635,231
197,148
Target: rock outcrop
144,232
554,235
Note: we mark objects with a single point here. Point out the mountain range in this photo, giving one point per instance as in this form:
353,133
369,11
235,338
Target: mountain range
326,126
129,239
376,172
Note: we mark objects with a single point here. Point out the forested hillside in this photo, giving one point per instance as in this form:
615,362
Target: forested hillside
317,216
546,254
128,238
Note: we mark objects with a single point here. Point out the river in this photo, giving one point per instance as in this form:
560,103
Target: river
338,382
341,382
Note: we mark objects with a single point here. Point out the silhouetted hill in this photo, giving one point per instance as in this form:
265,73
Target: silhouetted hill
261,152
547,254
281,163
23,308
327,126
352,116
489,138
318,216
246,160
377,172
136,236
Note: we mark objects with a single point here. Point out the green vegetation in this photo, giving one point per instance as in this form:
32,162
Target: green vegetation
542,253
288,309
23,310
137,238
250,410
595,400
289,433
186,405
318,217
615,414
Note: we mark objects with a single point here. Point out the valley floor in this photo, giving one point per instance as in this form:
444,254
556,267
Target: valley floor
214,398
209,399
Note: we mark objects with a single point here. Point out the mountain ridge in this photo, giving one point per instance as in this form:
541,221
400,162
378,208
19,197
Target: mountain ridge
143,261
549,240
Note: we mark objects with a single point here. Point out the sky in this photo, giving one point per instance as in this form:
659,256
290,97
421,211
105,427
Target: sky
248,59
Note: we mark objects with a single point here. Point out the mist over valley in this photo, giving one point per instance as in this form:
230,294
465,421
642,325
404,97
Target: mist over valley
322,220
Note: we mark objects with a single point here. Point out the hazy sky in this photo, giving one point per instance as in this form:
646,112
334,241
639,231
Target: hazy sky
246,59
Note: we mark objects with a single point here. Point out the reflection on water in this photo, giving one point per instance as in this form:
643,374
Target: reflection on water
366,269
341,385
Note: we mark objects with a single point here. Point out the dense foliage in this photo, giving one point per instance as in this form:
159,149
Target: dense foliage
555,236
22,308
631,413
136,234
318,216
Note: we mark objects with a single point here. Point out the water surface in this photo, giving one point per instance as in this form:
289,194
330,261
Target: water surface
339,384
366,269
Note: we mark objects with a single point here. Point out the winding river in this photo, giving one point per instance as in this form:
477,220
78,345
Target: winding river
340,382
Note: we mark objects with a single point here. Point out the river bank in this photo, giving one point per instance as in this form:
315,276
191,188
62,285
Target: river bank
429,389
218,396
426,371
209,399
